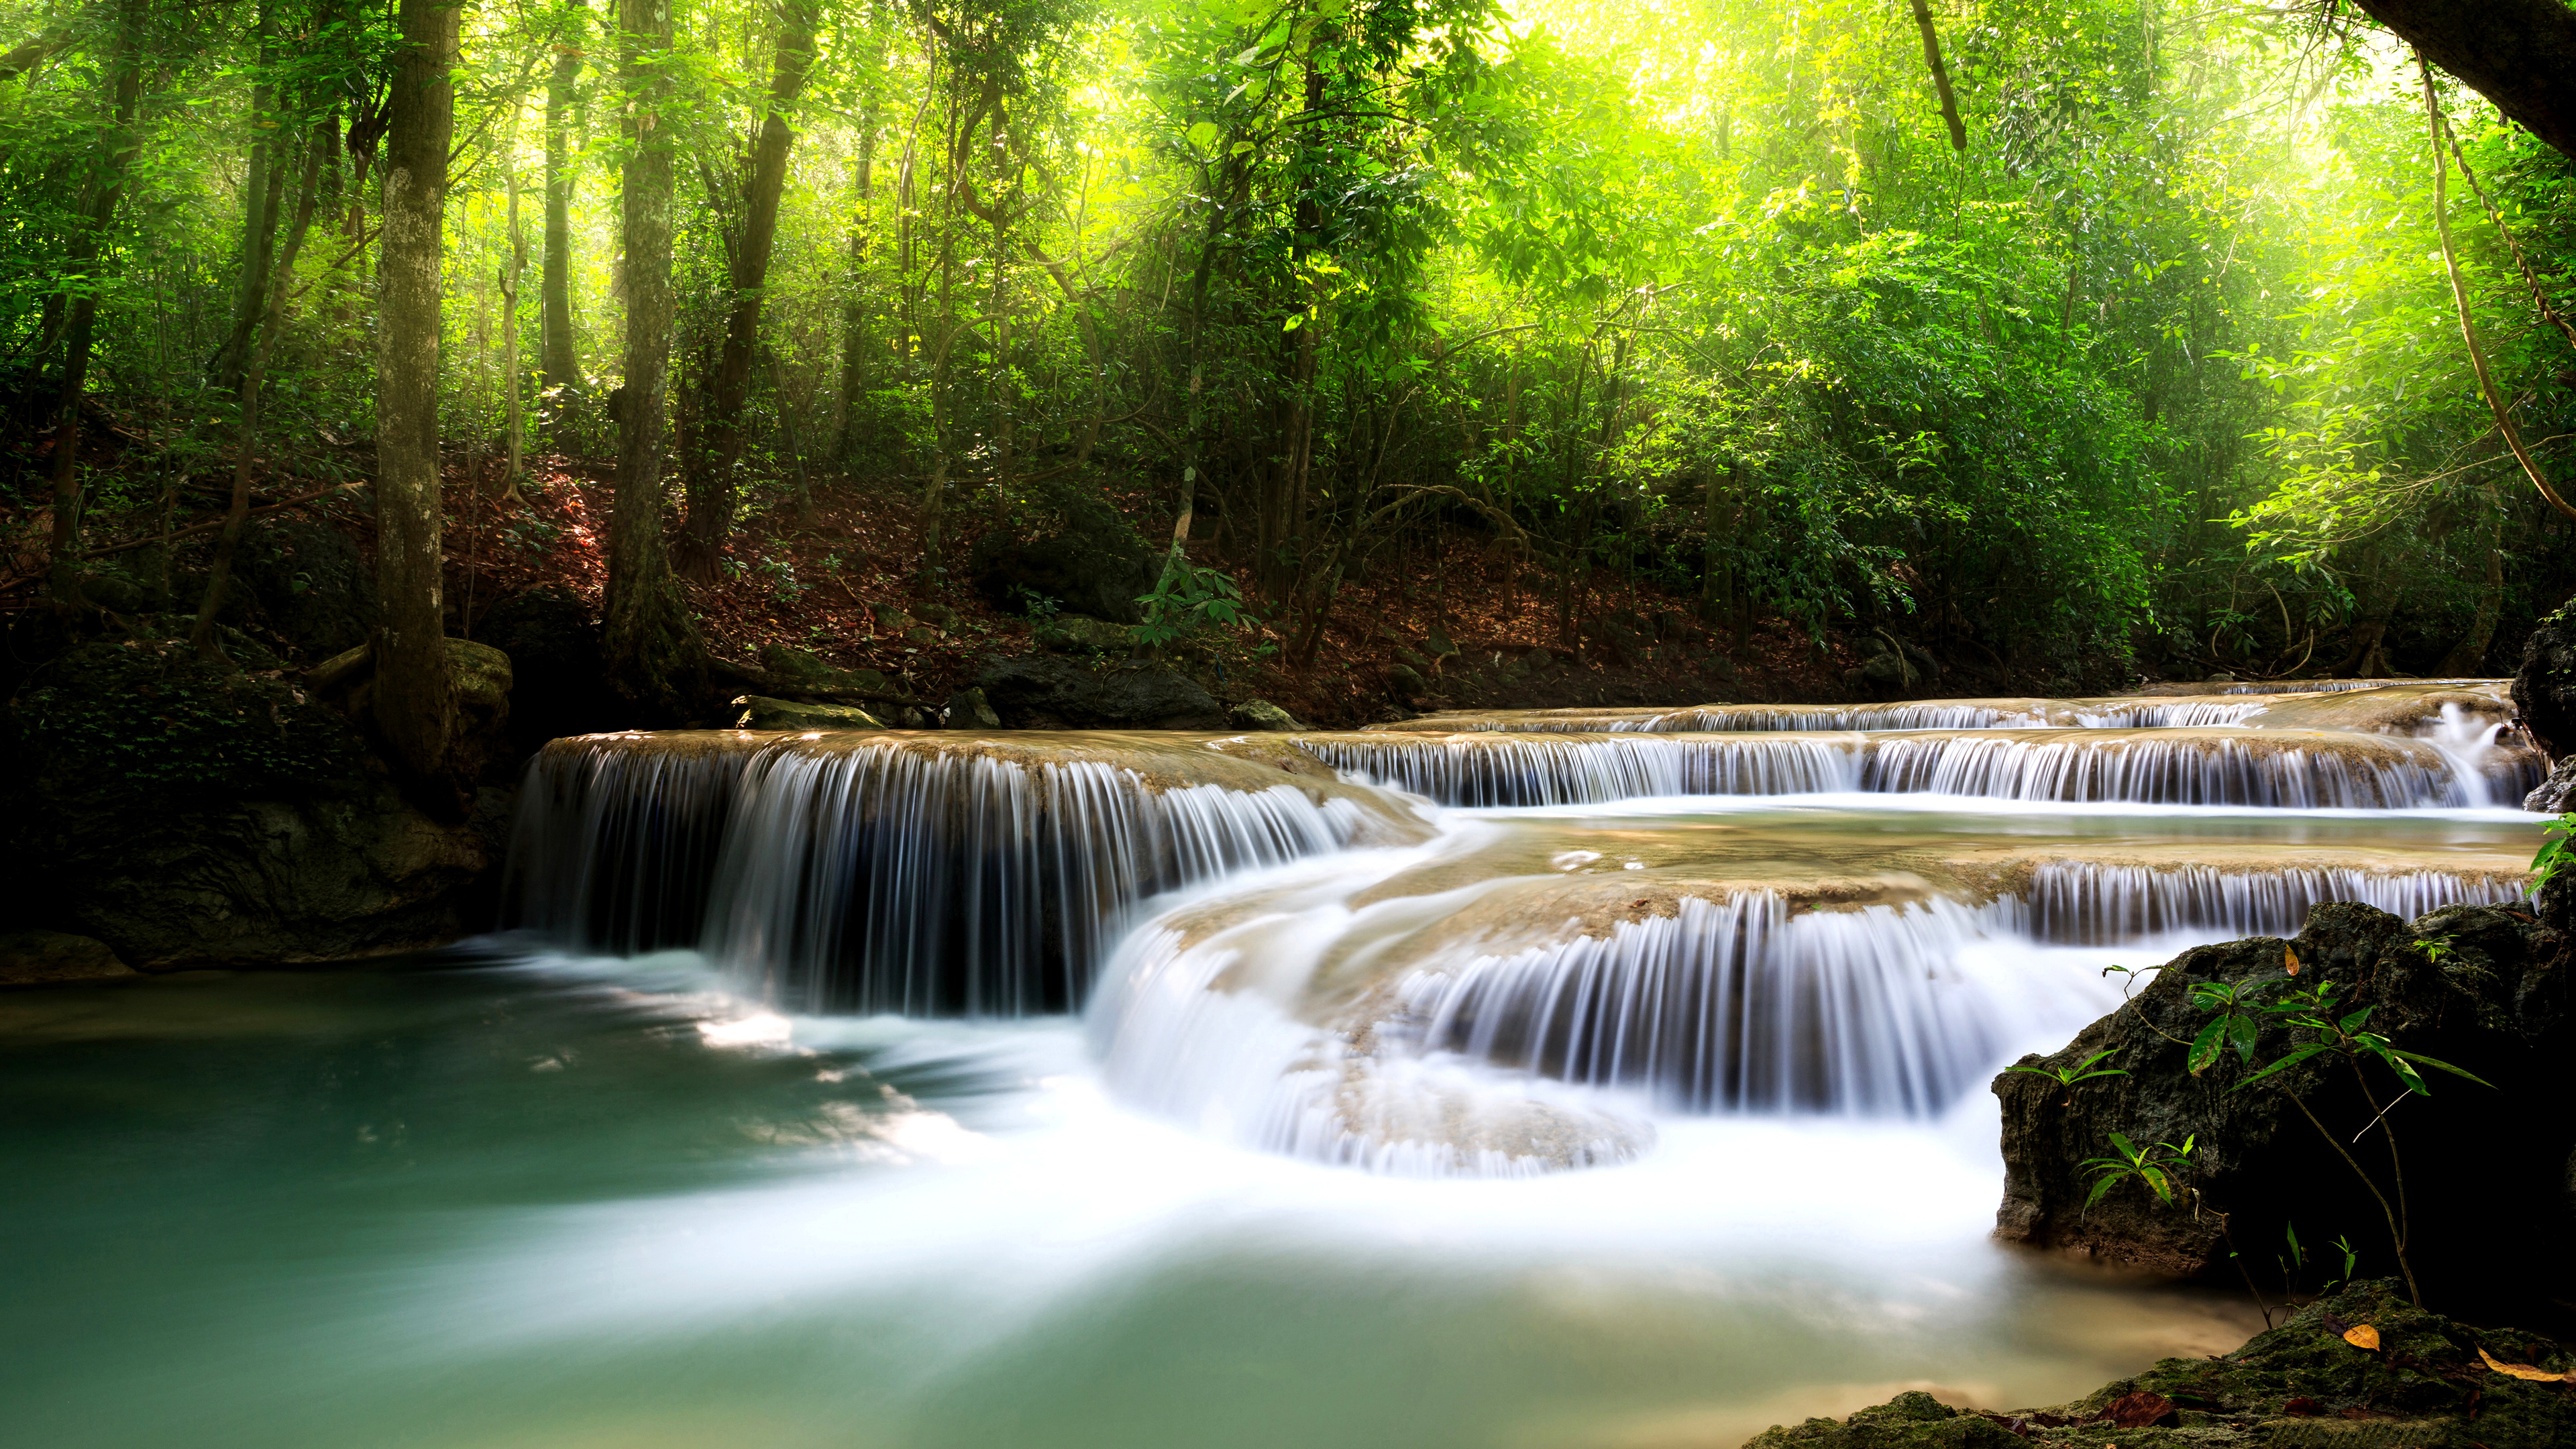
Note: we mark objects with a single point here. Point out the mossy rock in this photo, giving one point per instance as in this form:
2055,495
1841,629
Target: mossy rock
29,958
759,712
2426,1386
1082,634
1261,714
799,671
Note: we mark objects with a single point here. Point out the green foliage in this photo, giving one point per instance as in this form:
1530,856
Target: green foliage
2083,1071
135,723
2164,1168
2557,849
1186,600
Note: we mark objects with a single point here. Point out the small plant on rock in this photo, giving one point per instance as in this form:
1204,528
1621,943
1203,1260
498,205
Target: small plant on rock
2164,1168
2067,1077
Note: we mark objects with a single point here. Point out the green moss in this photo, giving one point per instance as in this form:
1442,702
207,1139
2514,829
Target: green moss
2425,1387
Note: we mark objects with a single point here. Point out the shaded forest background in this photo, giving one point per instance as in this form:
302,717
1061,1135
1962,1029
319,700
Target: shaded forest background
1369,353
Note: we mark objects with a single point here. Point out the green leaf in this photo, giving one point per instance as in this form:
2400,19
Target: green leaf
2206,1046
2440,1065
2284,1064
1204,134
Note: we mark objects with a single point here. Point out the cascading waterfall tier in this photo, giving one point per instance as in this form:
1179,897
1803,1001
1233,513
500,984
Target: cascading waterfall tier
1492,993
922,874
2294,769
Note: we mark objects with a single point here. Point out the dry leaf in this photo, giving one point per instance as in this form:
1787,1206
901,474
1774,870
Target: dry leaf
2290,958
2524,1371
2362,1335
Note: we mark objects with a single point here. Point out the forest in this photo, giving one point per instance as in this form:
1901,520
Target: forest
2063,344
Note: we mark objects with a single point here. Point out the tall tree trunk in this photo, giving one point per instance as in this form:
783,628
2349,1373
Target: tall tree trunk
655,658
1940,76
554,303
261,191
511,270
106,185
254,373
415,704
714,490
854,303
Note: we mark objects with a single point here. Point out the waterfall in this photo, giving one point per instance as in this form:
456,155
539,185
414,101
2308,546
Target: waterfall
2218,766
881,872
2085,903
1489,770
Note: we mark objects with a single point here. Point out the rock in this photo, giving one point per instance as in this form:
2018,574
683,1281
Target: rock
120,594
1042,692
2221,677
969,710
193,815
2425,1382
759,712
2544,688
889,617
1260,714
937,616
479,750
1082,634
1893,670
2557,794
559,682
2482,1166
1098,567
798,671
28,958
922,637
309,582
1404,681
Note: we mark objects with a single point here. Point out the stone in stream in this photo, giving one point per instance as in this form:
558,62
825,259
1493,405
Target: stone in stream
969,710
2544,688
2431,1383
1261,715
759,712
1042,692
2482,987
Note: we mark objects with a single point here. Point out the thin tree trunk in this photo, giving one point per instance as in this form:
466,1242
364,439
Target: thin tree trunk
106,185
554,323
1940,76
655,658
714,489
415,703
511,271
272,320
854,304
261,192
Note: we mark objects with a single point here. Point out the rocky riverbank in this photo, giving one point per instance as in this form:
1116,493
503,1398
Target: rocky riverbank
2361,1367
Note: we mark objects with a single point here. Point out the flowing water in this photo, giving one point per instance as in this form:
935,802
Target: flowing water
1474,1086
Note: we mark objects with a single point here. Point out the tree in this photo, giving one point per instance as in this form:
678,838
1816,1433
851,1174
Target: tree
714,486
415,693
655,657
554,284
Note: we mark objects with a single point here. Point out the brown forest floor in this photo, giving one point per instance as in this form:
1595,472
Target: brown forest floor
809,581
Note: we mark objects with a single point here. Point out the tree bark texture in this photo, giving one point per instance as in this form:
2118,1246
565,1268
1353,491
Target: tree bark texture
854,305
554,285
714,488
656,661
415,701
1940,76
2520,54
106,186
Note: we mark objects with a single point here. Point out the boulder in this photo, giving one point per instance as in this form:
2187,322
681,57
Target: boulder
480,748
2544,689
30,958
189,814
1042,692
968,709
559,680
2555,795
1260,714
1082,634
2481,987
759,712
2430,1381
1893,669
1100,570
799,671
